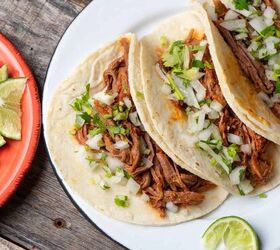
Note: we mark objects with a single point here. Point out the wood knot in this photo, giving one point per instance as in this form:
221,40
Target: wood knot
59,223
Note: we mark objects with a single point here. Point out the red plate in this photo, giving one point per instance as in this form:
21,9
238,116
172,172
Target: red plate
16,156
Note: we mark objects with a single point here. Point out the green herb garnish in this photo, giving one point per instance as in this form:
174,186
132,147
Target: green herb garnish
197,64
277,87
174,57
241,4
232,150
121,200
177,92
262,196
115,130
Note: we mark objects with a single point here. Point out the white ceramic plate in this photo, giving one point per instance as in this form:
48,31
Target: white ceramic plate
101,22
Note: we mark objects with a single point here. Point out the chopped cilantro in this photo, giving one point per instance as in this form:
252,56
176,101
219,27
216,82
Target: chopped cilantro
241,4
97,121
115,130
108,172
197,47
262,196
126,174
183,74
104,185
205,101
242,174
179,95
268,31
81,101
213,162
121,200
174,57
232,150
197,64
95,131
240,191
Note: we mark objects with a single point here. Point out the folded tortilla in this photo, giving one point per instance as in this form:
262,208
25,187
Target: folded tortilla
69,156
174,131
241,92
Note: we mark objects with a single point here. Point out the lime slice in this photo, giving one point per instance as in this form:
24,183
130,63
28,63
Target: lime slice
11,92
2,141
233,232
3,73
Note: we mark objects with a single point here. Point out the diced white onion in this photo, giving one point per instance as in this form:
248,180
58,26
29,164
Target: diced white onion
133,186
269,13
93,142
205,108
206,123
215,105
104,98
270,48
200,90
270,75
161,73
191,123
225,151
258,23
246,148
103,184
213,115
199,54
205,134
262,53
234,24
191,98
217,157
241,36
263,6
121,145
216,132
230,15
113,163
165,89
127,102
186,58
133,117
253,46
170,206
246,186
115,179
211,12
234,176
201,119
232,138
272,39
145,197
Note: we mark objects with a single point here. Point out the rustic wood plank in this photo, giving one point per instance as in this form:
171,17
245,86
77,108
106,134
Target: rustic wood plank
7,245
40,215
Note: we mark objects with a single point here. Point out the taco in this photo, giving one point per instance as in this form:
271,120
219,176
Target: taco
189,109
251,69
99,137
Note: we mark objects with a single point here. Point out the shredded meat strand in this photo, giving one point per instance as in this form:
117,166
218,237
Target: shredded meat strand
162,180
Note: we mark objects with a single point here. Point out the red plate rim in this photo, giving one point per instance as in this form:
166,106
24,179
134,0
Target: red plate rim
36,122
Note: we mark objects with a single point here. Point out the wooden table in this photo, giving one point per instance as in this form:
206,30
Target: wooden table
40,215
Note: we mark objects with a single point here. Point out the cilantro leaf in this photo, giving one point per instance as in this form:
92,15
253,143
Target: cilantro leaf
174,57
277,87
241,4
121,200
197,64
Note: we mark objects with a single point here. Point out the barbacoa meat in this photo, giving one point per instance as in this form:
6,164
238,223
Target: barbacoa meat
163,180
259,169
254,69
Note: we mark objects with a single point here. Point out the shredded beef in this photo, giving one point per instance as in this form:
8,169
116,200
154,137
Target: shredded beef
252,68
259,169
162,180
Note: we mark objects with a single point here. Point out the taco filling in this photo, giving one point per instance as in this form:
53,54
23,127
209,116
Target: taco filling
252,30
107,125
192,86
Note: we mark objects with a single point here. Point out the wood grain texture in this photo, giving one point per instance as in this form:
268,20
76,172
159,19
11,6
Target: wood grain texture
40,215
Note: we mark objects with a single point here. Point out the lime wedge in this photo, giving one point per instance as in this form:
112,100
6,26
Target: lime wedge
2,141
11,92
3,73
233,232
